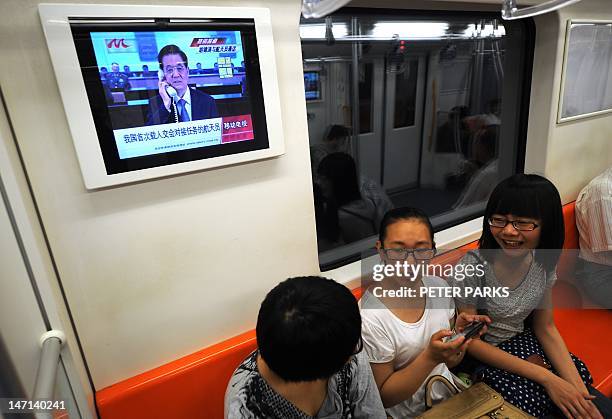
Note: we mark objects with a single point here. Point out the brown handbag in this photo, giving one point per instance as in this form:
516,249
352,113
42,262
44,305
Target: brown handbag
476,402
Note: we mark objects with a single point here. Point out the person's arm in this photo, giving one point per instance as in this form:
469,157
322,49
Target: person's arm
554,347
497,358
157,112
562,393
568,400
400,385
589,215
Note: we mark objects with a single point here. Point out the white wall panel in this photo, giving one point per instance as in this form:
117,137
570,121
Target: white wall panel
157,270
571,153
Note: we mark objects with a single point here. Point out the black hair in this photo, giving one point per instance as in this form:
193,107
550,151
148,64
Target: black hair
308,328
531,196
459,112
169,50
327,222
340,170
404,214
337,132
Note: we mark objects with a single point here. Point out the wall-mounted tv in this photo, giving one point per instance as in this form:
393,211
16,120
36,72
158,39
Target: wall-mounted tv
177,91
312,85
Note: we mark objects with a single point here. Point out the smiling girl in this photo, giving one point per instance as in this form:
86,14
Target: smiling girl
530,366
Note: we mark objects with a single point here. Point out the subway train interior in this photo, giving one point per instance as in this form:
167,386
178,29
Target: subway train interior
131,276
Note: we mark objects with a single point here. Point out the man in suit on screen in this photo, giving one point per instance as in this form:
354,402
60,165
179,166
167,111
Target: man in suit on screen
177,102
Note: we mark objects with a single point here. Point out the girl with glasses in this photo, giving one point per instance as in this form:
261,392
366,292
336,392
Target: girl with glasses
527,362
405,336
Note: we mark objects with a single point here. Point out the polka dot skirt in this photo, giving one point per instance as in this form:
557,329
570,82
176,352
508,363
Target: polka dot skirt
521,392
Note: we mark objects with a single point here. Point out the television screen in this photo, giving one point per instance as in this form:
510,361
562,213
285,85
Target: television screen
163,93
312,85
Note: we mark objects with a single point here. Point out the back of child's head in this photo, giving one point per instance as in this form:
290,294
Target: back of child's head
308,328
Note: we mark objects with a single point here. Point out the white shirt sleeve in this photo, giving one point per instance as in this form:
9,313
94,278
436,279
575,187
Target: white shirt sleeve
376,342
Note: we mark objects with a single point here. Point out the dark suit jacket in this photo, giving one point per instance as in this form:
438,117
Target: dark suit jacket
202,107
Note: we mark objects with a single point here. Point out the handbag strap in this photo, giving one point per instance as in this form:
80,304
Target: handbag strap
429,387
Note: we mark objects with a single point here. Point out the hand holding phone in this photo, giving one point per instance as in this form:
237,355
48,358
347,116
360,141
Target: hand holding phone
166,91
470,331
440,349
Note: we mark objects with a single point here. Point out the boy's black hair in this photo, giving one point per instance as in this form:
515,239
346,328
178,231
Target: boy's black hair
308,328
531,196
404,213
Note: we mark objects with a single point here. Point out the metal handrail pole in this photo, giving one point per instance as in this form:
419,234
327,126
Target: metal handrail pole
46,375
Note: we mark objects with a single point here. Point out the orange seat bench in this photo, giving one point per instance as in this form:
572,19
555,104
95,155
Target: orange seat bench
585,331
194,386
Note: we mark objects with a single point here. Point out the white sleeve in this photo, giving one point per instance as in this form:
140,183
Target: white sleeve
594,215
376,342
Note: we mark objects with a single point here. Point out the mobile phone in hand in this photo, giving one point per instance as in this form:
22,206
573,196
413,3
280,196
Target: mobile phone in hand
469,331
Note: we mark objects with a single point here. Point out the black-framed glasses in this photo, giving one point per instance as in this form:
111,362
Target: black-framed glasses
402,253
519,225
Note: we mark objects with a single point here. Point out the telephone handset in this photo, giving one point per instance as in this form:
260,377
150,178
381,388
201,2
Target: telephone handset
171,92
169,89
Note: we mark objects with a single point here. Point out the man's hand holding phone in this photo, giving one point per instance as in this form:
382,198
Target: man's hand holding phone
166,91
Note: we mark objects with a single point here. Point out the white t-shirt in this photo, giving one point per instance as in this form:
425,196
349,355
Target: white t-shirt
387,338
480,185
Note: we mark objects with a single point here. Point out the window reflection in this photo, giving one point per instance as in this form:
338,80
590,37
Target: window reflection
454,102
405,95
351,207
365,97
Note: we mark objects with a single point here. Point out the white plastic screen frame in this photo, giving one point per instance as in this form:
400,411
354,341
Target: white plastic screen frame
56,26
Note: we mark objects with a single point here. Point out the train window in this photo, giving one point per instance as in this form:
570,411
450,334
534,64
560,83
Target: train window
365,97
425,109
405,94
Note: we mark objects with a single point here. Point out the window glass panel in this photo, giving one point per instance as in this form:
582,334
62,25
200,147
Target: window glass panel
456,85
405,94
365,97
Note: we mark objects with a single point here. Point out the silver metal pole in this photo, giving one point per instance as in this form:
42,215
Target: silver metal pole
47,369
511,12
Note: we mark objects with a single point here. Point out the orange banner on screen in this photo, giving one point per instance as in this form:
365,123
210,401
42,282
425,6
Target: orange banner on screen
237,128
